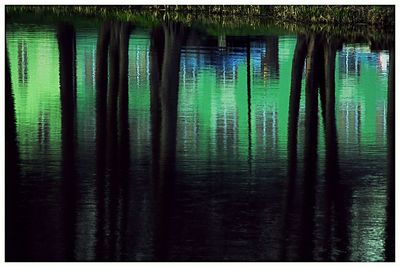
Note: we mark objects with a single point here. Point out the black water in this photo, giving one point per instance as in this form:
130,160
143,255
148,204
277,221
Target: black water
127,143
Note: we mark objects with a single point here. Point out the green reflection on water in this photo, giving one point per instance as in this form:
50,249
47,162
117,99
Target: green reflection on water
206,95
34,67
361,97
212,110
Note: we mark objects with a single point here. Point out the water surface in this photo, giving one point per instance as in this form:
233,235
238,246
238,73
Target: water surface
165,143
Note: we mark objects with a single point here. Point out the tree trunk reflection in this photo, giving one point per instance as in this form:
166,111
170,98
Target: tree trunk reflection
321,54
299,57
248,55
15,247
101,106
310,151
390,209
67,49
112,139
166,115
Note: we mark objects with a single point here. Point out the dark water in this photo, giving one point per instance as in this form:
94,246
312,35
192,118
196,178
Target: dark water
169,144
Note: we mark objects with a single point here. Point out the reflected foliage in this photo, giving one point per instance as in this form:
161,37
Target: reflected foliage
192,147
318,54
112,139
165,64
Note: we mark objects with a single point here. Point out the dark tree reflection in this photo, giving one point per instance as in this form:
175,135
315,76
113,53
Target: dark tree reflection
123,140
156,57
332,168
112,139
248,55
67,50
320,77
336,195
111,183
299,57
103,41
310,151
390,209
14,246
272,56
164,106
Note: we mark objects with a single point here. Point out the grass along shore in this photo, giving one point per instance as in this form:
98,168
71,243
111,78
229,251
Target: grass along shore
378,16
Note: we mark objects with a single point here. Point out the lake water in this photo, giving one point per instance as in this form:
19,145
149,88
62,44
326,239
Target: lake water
170,144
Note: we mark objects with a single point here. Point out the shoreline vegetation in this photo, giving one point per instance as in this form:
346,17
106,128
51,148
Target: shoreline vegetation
382,16
351,22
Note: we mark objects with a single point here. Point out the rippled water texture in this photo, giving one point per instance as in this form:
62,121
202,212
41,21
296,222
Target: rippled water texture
143,144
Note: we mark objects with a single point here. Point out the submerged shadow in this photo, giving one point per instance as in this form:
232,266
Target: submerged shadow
390,208
298,63
103,41
337,196
67,54
319,52
166,56
112,140
248,65
15,248
306,247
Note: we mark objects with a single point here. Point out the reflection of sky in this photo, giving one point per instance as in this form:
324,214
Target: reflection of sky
351,56
362,82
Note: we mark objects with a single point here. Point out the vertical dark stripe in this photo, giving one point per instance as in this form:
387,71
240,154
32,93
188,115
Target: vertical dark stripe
310,153
298,62
66,44
123,141
14,248
390,209
248,55
101,105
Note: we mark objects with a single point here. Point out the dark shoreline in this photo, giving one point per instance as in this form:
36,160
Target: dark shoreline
378,16
228,21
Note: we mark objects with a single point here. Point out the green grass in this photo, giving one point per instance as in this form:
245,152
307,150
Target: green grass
371,15
354,22
337,15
